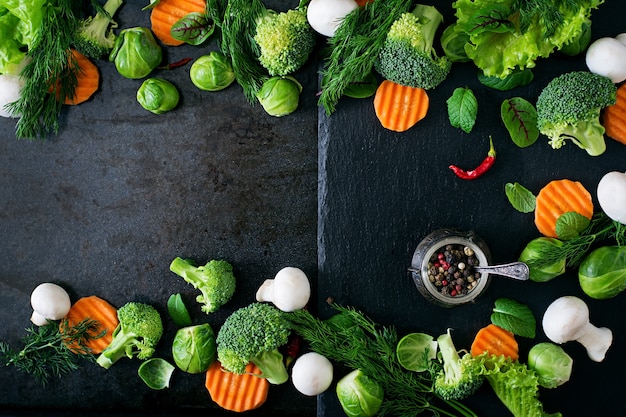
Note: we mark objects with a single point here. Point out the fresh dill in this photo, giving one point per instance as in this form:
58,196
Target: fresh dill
357,342
354,48
548,13
49,70
46,351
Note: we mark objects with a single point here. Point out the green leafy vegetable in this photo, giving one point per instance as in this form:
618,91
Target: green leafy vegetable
551,363
532,255
515,317
363,88
602,273
194,348
462,109
359,395
569,225
193,29
156,373
520,119
517,78
520,197
178,311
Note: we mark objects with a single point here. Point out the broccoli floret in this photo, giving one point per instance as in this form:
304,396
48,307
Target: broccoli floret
285,40
569,108
139,330
94,37
407,56
460,376
215,280
253,334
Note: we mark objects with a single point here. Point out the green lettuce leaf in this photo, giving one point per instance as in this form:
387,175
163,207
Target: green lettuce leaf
19,22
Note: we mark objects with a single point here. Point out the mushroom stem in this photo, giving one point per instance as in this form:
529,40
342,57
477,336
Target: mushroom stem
596,341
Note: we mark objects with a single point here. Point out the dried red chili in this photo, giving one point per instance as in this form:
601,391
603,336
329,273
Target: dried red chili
480,169
177,64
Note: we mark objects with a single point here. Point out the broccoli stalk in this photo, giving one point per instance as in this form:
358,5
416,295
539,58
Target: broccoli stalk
460,376
408,56
139,330
94,37
569,108
215,280
254,334
285,40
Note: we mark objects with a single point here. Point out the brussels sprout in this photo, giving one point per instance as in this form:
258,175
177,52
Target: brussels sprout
552,365
194,348
212,72
279,96
533,253
602,273
136,53
359,395
157,95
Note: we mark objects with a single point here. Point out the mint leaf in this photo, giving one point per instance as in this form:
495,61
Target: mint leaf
520,119
178,311
520,197
514,317
462,109
570,224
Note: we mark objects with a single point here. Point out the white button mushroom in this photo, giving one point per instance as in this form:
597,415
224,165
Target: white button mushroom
612,195
290,290
607,56
49,302
312,374
567,319
325,16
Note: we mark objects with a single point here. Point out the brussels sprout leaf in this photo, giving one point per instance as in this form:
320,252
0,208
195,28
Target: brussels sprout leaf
514,317
178,311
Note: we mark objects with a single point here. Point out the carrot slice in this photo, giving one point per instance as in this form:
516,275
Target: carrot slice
614,117
94,308
87,80
236,392
495,340
559,197
167,12
399,107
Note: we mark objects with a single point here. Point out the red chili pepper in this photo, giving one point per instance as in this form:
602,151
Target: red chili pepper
480,169
176,64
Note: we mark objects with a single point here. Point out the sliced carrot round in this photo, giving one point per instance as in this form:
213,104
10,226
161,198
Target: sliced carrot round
557,198
614,117
496,341
167,12
236,392
399,107
94,308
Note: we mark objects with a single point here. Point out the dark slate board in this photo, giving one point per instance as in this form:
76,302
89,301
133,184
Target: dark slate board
104,206
381,192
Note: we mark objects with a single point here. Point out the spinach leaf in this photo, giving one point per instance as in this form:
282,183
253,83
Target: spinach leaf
517,78
462,109
520,118
515,317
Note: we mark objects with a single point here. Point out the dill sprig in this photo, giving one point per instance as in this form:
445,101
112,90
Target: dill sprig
355,46
238,27
573,250
548,13
46,351
354,340
49,69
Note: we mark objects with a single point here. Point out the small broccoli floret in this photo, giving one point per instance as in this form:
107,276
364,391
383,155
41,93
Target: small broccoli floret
407,56
139,330
285,41
215,280
253,334
95,37
460,376
569,108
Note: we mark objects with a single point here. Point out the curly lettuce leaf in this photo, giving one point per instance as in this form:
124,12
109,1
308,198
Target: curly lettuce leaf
19,23
497,45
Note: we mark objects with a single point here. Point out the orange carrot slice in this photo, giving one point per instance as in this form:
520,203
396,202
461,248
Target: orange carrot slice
87,80
400,107
236,392
94,308
614,117
495,340
559,197
167,12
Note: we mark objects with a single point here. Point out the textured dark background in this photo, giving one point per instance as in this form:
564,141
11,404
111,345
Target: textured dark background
104,206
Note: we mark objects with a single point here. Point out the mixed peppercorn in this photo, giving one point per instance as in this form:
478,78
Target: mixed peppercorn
451,270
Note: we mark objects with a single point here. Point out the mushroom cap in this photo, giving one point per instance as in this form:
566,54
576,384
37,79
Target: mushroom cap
312,374
325,16
611,194
607,56
291,289
565,319
50,302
